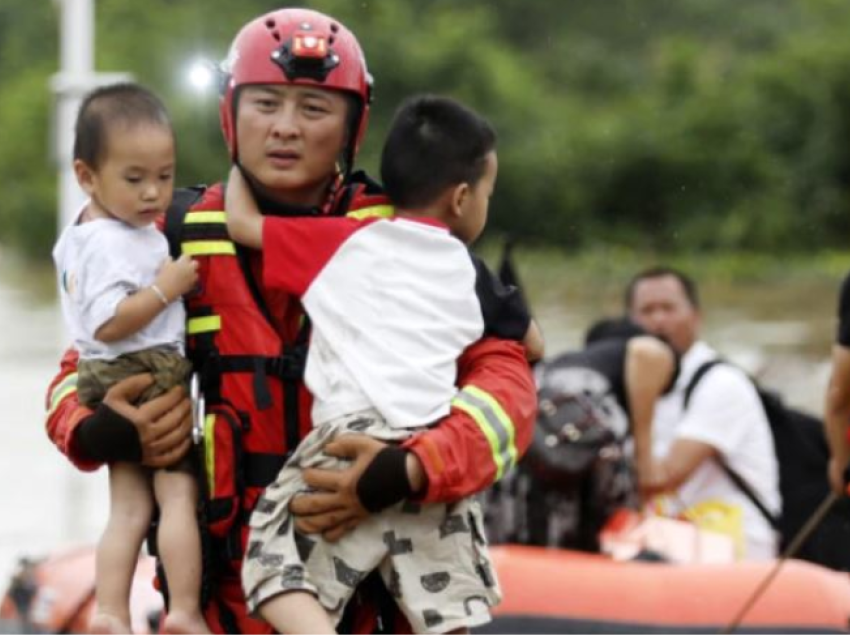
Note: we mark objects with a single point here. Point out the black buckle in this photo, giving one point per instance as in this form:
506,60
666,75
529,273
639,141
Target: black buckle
290,366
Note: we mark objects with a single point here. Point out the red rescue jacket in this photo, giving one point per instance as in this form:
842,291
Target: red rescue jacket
251,363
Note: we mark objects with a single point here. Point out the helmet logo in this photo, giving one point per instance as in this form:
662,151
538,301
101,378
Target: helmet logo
306,56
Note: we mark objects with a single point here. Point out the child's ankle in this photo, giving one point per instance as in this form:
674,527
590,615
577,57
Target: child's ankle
103,623
182,622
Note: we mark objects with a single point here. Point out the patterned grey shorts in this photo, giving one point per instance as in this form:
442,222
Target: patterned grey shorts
433,558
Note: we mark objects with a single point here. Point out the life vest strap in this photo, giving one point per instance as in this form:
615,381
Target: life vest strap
289,368
261,469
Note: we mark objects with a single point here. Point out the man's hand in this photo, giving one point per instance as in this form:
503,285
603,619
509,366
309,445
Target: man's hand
337,509
164,424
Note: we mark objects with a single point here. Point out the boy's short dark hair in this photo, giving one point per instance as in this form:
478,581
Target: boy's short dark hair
104,107
434,143
687,283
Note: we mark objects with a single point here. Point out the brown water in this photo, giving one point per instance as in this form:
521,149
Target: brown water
781,332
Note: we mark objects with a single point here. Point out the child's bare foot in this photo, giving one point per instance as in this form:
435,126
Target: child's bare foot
108,624
184,623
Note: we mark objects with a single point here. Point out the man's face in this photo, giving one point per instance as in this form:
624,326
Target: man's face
661,306
289,139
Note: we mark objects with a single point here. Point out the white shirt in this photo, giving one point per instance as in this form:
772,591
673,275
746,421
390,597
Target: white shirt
99,264
393,306
725,412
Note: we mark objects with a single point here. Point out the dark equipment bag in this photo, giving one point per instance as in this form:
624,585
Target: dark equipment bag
568,439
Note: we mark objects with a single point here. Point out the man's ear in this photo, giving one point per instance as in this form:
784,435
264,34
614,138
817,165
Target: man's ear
85,176
458,198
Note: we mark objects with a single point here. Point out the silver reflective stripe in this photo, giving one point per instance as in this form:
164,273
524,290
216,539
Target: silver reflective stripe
493,422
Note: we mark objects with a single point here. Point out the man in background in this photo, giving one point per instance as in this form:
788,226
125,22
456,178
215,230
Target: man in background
720,429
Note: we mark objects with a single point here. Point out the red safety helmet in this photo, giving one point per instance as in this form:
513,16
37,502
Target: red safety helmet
295,46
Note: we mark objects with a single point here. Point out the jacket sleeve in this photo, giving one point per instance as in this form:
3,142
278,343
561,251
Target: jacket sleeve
489,427
64,412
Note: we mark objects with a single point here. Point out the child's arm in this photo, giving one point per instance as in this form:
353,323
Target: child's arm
175,278
244,221
535,347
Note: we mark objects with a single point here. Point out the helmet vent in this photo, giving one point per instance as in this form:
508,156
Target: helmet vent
334,27
270,25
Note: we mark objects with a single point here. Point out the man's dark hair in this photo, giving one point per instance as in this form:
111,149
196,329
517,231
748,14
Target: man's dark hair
105,107
685,281
612,328
434,143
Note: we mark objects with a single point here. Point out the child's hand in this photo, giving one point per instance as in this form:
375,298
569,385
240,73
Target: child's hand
244,221
176,278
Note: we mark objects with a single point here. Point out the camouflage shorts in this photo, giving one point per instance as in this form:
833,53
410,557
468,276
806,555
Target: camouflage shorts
433,558
168,367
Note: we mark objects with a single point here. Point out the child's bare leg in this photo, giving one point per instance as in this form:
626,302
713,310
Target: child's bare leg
179,546
296,613
130,508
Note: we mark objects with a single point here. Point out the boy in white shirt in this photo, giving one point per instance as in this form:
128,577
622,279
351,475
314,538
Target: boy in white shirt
393,304
120,295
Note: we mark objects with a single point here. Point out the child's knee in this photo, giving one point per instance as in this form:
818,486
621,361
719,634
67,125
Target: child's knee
135,515
176,490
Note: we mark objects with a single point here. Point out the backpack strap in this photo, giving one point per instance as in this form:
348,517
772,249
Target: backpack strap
733,475
748,491
181,201
698,375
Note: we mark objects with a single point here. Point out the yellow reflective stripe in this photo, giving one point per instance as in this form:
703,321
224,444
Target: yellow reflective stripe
205,217
203,324
384,211
61,391
209,453
207,248
497,427
479,418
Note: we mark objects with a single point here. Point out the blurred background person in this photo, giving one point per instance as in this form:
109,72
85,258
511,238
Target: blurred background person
724,423
591,452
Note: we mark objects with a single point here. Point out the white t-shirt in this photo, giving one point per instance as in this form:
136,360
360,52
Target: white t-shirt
393,305
99,264
726,413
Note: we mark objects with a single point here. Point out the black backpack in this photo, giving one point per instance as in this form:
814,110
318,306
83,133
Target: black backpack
803,455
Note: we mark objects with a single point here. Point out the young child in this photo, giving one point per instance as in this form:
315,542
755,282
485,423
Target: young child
393,304
120,295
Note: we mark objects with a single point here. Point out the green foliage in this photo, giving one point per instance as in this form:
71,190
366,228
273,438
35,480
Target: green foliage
675,127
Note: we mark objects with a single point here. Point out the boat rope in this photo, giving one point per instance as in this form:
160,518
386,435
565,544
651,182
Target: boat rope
799,539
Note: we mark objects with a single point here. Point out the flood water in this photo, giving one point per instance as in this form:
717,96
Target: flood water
44,502
780,332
